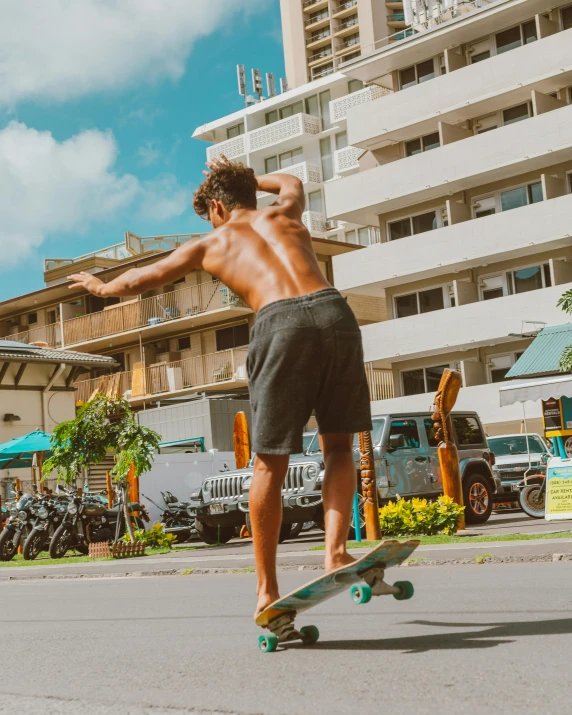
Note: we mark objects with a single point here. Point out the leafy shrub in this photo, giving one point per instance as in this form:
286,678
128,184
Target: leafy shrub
419,517
154,538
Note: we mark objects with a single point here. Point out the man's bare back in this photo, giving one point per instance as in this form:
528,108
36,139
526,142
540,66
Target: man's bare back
264,256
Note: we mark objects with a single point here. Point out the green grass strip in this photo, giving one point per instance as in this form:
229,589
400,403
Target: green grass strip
440,539
44,560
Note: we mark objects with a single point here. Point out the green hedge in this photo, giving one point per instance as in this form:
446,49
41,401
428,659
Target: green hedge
419,517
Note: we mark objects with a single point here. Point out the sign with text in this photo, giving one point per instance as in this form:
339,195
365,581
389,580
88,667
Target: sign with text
559,489
551,414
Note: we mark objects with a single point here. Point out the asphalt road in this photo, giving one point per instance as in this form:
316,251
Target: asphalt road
474,639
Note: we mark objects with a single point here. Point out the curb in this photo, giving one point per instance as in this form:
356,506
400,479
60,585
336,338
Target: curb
416,563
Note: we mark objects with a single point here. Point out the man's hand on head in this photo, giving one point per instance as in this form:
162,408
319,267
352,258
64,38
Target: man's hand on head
89,282
219,162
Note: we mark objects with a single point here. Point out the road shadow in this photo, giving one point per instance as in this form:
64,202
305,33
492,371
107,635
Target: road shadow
495,634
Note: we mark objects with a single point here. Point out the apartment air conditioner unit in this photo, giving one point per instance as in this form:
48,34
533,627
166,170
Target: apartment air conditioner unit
331,224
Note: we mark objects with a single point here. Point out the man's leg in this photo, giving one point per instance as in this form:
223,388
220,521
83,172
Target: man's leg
265,504
338,492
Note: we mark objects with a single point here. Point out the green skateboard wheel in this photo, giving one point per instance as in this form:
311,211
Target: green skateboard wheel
309,635
360,593
406,590
268,643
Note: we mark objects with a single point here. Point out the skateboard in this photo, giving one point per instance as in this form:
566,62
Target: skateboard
364,578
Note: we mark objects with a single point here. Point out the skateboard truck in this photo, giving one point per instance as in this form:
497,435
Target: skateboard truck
282,631
376,586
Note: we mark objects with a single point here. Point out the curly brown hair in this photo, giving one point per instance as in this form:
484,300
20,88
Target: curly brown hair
233,184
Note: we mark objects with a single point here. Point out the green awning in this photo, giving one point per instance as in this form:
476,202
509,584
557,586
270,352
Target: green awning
542,355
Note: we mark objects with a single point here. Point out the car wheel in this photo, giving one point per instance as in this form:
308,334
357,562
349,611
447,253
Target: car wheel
478,498
296,529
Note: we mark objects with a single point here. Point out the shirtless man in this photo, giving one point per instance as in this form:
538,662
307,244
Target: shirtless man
305,353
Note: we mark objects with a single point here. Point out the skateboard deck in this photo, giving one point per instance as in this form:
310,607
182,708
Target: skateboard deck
368,572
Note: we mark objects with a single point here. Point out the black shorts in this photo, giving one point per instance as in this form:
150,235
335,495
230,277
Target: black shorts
306,355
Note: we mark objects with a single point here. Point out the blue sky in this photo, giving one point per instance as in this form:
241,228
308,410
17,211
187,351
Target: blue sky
96,141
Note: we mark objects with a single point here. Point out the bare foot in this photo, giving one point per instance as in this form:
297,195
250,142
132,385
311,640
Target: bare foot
264,600
336,561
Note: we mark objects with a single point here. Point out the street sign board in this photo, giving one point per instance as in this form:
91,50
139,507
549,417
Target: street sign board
559,489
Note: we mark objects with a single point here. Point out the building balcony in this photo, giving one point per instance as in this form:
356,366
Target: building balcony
225,370
483,399
49,335
340,107
286,132
485,87
343,9
122,323
231,148
320,57
348,46
346,160
315,222
346,28
319,39
309,174
530,145
318,72
396,20
472,325
503,236
314,5
317,23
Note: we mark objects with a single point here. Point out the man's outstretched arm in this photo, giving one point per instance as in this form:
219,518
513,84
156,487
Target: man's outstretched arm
290,192
138,280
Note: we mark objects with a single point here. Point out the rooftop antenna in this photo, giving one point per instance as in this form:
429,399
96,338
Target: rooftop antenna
283,85
271,84
257,84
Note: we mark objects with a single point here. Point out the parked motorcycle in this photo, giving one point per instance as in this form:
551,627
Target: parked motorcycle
48,513
17,527
88,520
175,518
532,496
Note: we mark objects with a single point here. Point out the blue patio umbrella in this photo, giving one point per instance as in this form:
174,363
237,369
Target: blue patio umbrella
19,452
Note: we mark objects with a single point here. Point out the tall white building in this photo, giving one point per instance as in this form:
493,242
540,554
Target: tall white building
466,170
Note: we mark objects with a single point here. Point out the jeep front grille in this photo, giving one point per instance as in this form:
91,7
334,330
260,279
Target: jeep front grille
294,478
227,487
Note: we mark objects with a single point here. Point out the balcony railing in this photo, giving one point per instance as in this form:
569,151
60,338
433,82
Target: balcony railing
193,374
318,55
339,107
285,129
396,17
308,3
307,173
380,383
318,36
133,246
49,334
345,6
347,24
314,20
351,42
315,221
323,72
231,148
347,159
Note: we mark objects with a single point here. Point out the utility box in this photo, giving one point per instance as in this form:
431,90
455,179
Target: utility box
208,419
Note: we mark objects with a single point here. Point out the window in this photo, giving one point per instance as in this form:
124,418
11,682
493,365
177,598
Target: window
409,430
327,158
567,18
315,202
416,224
272,117
317,16
341,140
468,431
376,433
417,74
289,158
515,37
292,109
235,131
425,301
32,318
431,433
507,200
492,287
480,56
52,316
312,104
363,236
325,98
350,40
416,146
271,164
354,85
516,114
234,337
499,365
521,280
184,343
424,379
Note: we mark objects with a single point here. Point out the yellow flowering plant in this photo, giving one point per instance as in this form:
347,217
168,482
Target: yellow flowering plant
420,517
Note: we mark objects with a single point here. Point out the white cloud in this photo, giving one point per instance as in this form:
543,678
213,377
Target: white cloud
58,49
148,154
48,187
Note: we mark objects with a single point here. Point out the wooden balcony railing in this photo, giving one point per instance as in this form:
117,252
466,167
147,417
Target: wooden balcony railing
380,383
49,334
170,377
